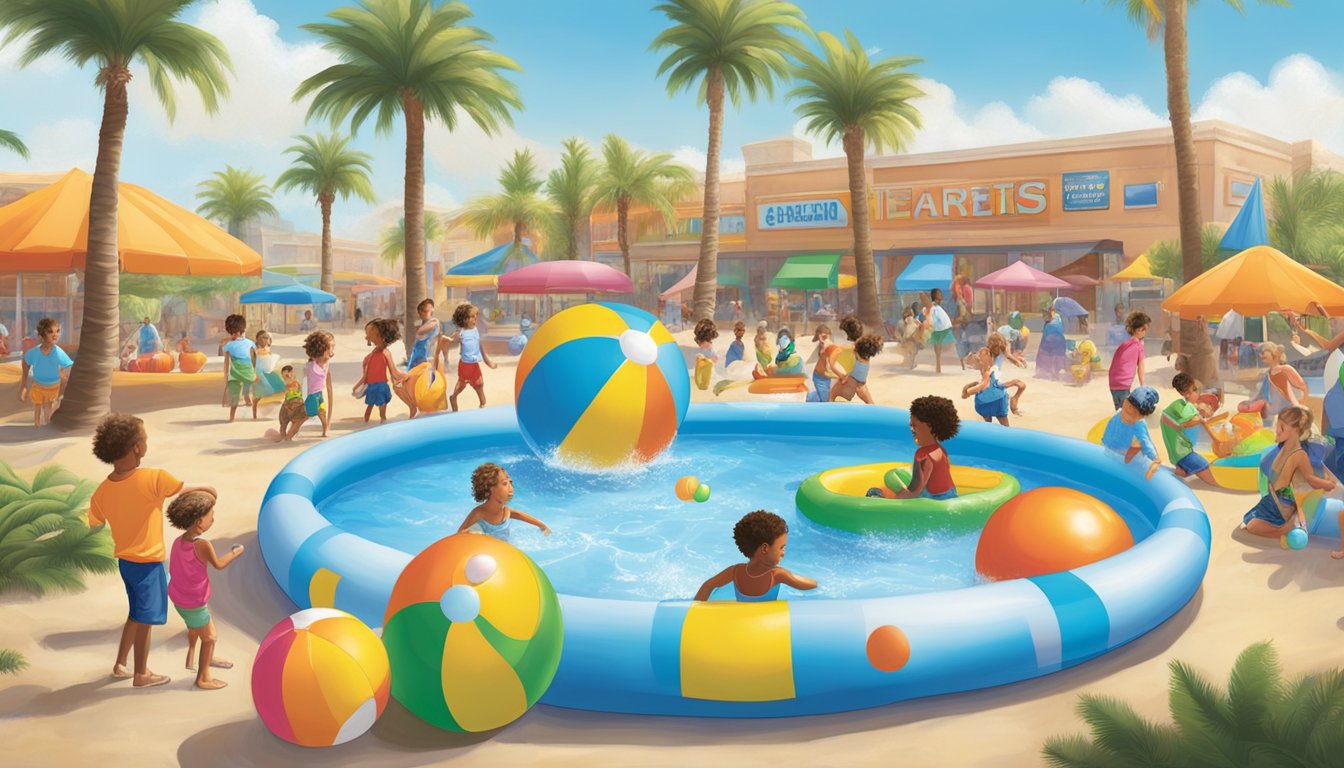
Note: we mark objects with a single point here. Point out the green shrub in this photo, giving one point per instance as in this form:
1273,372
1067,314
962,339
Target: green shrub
45,539
11,662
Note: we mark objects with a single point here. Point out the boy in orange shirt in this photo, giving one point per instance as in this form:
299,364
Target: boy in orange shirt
131,501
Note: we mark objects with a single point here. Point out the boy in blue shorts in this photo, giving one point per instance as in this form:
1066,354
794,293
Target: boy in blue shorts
1178,417
131,501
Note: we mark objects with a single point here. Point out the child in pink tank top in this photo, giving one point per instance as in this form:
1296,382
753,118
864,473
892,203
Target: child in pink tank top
189,582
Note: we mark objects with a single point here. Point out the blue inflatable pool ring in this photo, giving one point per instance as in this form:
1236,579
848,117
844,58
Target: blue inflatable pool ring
781,658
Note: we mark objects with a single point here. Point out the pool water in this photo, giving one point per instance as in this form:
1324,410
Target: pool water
625,535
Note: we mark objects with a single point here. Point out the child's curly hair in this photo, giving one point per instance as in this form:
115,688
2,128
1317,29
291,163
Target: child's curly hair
116,436
1135,321
868,346
705,330
996,344
739,326
45,325
389,330
318,344
483,478
235,324
757,528
263,339
461,313
188,508
851,327
939,413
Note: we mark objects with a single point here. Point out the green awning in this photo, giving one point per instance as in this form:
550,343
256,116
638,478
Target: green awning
813,272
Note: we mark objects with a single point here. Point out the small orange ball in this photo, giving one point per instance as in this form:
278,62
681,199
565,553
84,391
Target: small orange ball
1048,530
686,487
888,648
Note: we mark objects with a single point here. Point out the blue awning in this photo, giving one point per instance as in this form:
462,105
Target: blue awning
496,261
926,272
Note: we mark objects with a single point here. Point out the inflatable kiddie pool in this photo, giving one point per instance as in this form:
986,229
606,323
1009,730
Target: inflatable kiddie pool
791,657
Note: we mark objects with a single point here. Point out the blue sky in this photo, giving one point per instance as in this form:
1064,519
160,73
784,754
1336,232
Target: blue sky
1022,70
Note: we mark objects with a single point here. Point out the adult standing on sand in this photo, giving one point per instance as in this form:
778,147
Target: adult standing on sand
149,340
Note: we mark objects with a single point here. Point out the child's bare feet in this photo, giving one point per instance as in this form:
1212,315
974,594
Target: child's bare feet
219,663
150,680
211,685
1338,554
120,672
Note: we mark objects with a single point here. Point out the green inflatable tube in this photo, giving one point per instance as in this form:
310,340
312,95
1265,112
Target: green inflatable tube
836,498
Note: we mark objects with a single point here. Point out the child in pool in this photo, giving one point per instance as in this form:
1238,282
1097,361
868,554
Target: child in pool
471,355
424,335
1127,426
292,411
1278,511
736,350
240,364
317,400
761,537
189,582
493,487
856,381
933,420
268,381
825,370
1182,414
1279,388
379,367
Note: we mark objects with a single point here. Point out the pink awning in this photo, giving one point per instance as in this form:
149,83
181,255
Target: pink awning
574,277
684,284
1020,276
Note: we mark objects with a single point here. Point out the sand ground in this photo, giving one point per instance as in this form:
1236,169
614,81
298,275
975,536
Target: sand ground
64,710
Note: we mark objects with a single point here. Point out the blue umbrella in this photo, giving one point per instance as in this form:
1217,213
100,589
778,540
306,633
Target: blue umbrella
1069,307
295,293
1248,228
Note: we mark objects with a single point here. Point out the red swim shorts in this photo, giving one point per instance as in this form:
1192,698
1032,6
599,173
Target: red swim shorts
470,373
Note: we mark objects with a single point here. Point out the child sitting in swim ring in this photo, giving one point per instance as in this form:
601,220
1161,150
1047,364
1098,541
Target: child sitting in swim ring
493,487
1279,511
1279,386
761,537
933,420
736,350
787,361
856,381
1127,426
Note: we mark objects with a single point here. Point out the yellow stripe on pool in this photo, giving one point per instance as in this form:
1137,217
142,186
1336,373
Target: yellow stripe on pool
737,652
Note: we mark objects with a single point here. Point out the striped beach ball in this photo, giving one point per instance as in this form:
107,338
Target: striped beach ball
473,632
320,678
601,384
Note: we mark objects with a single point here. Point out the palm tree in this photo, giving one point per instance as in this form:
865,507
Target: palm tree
1166,259
632,178
412,58
1308,218
1261,719
846,96
235,196
570,189
718,46
392,245
11,141
1170,20
45,539
519,203
325,166
113,36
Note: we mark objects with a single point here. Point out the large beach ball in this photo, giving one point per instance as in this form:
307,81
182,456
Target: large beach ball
320,678
473,632
601,384
1047,530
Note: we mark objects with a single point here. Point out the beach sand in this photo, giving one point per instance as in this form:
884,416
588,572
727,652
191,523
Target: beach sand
65,710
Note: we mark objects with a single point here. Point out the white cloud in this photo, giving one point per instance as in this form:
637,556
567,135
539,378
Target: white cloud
51,64
62,145
369,226
266,70
944,128
1302,100
1072,106
697,160
472,158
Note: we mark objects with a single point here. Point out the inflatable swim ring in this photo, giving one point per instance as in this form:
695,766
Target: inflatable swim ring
191,362
152,362
836,498
429,388
778,385
1234,473
704,367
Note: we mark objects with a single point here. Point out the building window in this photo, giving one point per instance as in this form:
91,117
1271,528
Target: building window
1141,195
1239,188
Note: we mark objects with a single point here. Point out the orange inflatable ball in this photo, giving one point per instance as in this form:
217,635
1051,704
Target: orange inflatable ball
1048,530
191,362
686,487
888,648
154,362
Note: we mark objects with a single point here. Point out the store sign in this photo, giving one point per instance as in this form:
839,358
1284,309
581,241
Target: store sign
968,202
1087,191
802,214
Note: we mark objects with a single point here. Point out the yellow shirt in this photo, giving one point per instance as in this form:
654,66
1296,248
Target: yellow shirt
133,506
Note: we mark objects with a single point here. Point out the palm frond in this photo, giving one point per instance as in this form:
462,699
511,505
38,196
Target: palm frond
11,662
235,196
45,540
11,141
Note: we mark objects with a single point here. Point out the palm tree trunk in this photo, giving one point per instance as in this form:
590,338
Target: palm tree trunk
88,395
1201,366
517,237
324,200
414,201
572,243
707,269
869,311
623,232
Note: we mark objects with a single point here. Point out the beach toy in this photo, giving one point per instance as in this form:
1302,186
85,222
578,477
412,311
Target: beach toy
320,678
888,648
704,367
473,632
686,486
838,498
1234,472
1294,539
841,357
778,385
429,388
1047,530
601,384
191,362
359,390
516,344
701,493
895,480
269,381
153,362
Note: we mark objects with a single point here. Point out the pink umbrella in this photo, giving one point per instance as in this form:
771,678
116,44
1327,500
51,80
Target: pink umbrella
576,277
1020,276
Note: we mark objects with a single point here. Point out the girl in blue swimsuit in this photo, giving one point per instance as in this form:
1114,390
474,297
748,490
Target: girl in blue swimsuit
761,537
425,336
1278,512
492,486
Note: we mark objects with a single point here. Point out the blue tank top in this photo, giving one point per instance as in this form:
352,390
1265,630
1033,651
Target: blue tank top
770,595
860,372
471,345
500,531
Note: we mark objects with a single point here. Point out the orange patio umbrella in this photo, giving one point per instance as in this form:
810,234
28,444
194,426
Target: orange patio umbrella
1255,282
48,231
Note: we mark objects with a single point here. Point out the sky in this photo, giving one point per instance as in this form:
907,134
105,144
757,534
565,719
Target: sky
1022,71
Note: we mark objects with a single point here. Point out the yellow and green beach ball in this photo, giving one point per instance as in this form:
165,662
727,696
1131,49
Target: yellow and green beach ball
601,384
473,633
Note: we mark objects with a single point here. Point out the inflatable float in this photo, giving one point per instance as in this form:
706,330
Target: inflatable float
191,362
1233,454
837,498
778,385
428,387
704,368
152,362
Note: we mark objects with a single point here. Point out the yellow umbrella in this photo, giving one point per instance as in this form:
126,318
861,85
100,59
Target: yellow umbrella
471,281
846,281
1255,282
1138,269
48,231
